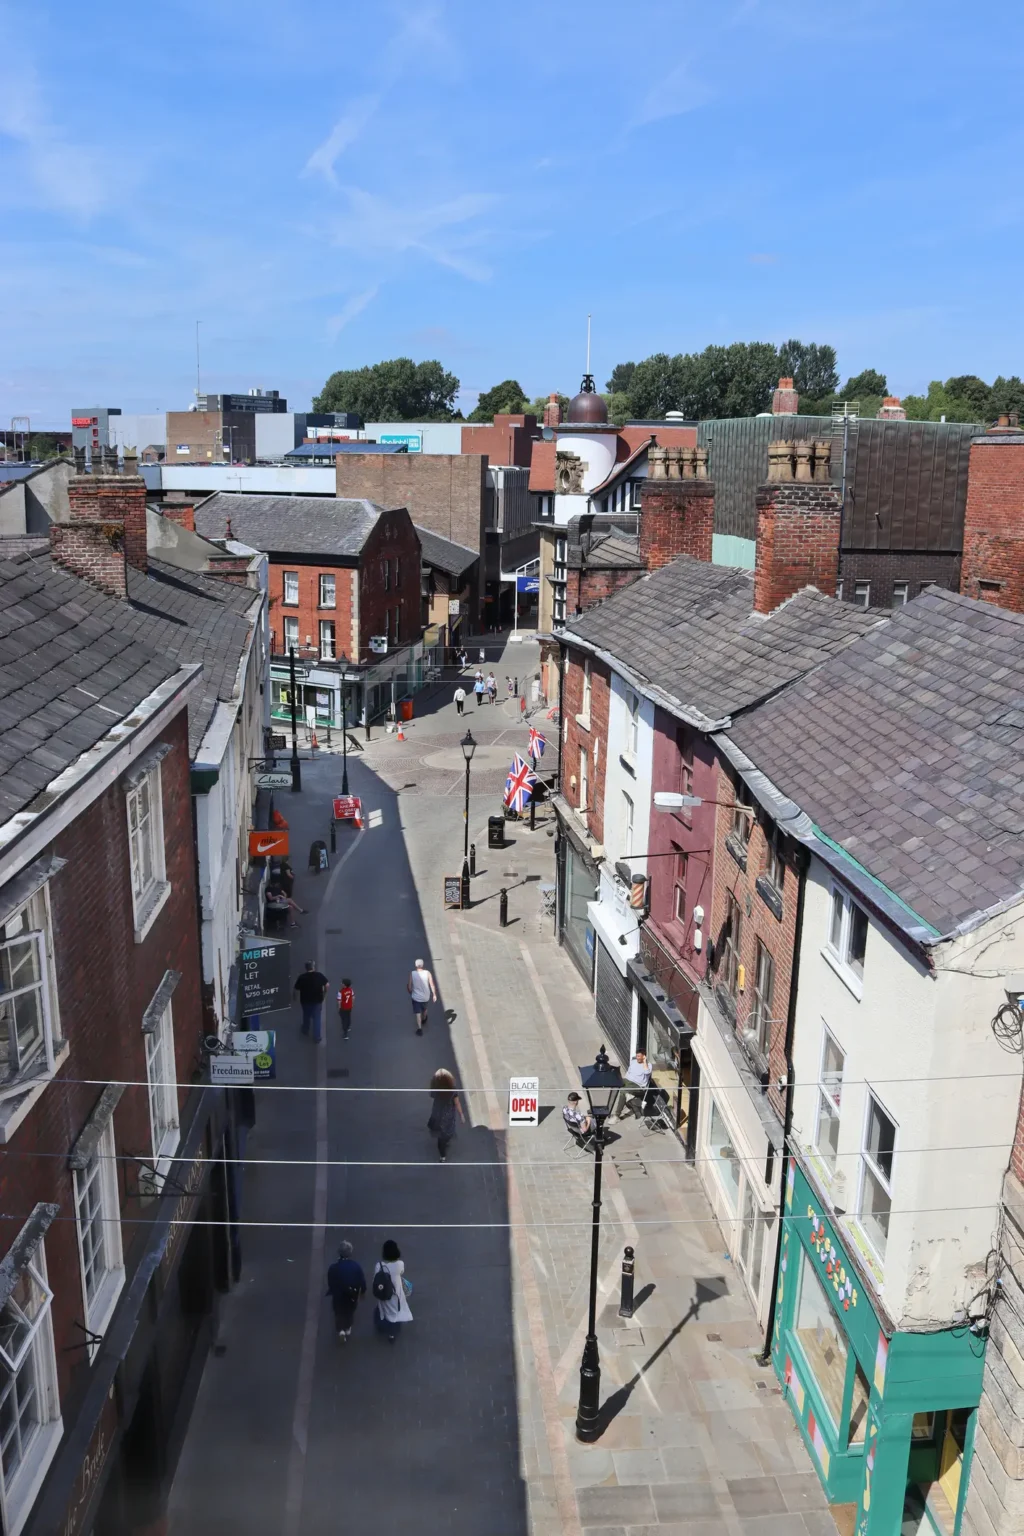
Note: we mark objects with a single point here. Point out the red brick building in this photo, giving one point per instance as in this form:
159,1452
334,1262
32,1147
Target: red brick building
100,985
993,559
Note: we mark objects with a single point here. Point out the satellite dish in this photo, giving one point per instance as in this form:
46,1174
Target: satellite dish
548,434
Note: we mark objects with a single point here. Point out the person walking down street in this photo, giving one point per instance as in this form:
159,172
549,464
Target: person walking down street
346,998
312,989
446,1111
463,659
346,1283
460,698
391,1291
492,687
478,689
509,688
421,989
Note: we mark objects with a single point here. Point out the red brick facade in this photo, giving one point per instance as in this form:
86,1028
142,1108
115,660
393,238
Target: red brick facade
758,923
113,499
586,734
993,558
509,440
797,541
105,981
677,517
93,551
308,612
585,588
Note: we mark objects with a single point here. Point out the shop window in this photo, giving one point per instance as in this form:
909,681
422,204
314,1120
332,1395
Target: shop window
291,588
858,1407
29,1410
821,1340
830,1090
327,639
848,937
328,591
723,1157
291,634
752,1238
877,1155
731,946
28,993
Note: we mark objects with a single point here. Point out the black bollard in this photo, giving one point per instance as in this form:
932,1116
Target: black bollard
503,908
334,840
626,1302
472,858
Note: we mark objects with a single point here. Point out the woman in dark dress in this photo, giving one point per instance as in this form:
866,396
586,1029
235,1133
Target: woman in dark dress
445,1112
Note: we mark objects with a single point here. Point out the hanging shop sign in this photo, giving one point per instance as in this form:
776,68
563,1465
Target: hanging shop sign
265,982
271,844
273,781
260,1046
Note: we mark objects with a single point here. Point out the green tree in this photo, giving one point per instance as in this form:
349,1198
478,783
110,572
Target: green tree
1007,395
536,407
621,379
737,380
506,398
620,407
811,366
656,385
974,392
938,404
394,390
868,382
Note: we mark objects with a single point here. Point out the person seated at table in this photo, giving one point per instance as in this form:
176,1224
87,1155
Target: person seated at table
637,1095
576,1118
278,904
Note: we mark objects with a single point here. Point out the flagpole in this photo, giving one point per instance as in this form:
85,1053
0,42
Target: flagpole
533,796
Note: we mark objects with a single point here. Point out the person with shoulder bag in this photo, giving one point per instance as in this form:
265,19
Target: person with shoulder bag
391,1292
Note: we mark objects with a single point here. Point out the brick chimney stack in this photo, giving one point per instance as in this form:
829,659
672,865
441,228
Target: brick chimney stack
552,412
992,568
798,524
677,506
92,550
113,499
181,512
891,409
785,400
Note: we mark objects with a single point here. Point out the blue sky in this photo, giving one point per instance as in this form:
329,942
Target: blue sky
324,186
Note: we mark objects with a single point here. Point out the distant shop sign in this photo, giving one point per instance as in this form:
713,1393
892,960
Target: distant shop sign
183,448
412,440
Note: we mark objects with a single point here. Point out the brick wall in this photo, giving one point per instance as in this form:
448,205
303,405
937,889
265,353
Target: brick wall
883,568
677,517
393,547
181,512
592,739
113,499
585,588
692,832
94,551
993,559
443,492
206,435
797,541
105,981
508,441
308,610
757,922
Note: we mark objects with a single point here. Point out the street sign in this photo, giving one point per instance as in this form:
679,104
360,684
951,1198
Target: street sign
278,741
233,1071
348,808
270,844
453,891
524,1101
265,983
273,781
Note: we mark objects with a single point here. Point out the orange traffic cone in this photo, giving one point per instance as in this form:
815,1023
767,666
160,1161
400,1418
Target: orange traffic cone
401,733
313,741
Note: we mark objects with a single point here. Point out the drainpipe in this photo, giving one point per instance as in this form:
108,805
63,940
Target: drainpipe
561,708
765,1357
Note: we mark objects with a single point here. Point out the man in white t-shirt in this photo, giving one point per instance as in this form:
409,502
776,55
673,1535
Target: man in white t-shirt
421,989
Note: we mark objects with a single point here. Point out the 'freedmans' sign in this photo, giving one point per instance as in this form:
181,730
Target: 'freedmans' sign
265,982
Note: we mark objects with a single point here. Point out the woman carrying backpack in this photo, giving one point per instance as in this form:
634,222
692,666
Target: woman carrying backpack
445,1112
391,1291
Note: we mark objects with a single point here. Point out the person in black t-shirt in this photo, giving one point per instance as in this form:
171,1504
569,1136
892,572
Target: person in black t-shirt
312,989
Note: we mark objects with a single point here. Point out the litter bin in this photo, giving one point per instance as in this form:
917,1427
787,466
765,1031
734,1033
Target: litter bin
405,709
495,831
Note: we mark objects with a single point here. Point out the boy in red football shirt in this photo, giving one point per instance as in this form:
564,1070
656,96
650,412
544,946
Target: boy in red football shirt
346,997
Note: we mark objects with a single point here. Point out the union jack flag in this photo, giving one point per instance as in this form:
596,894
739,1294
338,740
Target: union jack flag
537,743
519,785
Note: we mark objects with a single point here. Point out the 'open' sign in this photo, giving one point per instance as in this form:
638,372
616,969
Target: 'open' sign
524,1101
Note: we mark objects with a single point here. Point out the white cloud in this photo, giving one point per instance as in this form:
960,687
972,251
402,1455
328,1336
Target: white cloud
439,231
65,176
673,94
345,131
355,306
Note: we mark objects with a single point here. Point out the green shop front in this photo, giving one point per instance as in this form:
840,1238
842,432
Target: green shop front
888,1417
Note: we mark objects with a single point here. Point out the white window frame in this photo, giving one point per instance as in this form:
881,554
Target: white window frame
290,631
385,571
290,584
97,1184
829,1098
900,594
636,495
148,895
165,1130
35,1353
328,590
632,725
581,804
862,594
328,631
869,1169
761,1011
42,1062
628,813
585,707
837,949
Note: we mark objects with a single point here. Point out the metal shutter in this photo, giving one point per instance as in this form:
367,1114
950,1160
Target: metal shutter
614,1006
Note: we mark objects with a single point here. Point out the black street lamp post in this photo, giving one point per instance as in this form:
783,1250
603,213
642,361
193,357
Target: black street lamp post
600,1082
468,748
344,726
296,766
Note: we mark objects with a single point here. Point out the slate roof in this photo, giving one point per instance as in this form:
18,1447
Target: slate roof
291,525
906,750
56,634
444,554
688,630
608,551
